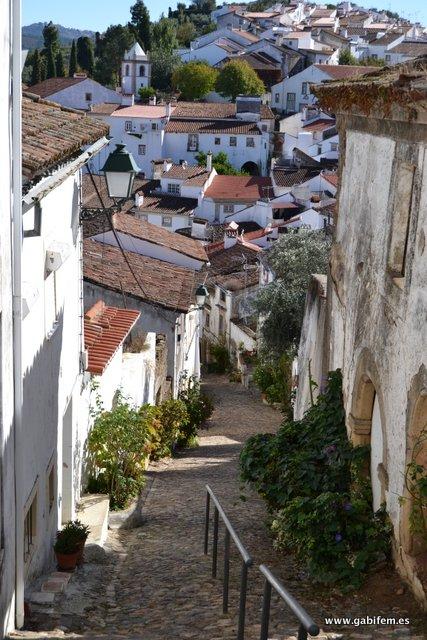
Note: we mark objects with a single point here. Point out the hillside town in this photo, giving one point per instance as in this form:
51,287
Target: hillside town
213,325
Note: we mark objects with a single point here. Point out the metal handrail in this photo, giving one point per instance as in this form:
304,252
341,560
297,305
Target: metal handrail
246,558
307,625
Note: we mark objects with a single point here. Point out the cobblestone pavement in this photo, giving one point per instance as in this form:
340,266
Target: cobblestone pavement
160,587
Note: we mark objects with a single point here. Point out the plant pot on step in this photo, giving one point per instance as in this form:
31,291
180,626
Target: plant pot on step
77,532
66,561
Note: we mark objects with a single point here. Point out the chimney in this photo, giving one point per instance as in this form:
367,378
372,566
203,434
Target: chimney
209,161
139,199
128,100
152,101
167,164
184,164
304,114
168,110
230,235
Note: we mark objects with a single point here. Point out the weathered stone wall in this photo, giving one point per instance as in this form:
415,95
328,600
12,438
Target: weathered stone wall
378,298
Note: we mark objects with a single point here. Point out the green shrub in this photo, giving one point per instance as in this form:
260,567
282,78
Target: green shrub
316,486
221,357
118,446
145,93
199,408
171,417
274,379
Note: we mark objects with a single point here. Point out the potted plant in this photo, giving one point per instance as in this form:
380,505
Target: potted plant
66,550
80,532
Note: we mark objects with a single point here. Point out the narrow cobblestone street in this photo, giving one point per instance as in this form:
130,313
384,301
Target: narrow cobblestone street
161,587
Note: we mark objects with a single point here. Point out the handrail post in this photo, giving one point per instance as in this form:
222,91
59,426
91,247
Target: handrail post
215,543
242,601
207,513
226,573
265,619
302,633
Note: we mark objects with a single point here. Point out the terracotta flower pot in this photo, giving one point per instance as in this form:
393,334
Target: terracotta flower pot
67,561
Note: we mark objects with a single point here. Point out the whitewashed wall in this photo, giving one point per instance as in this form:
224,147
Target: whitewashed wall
75,95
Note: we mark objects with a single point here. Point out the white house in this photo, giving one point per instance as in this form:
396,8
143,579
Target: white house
293,94
51,329
10,52
136,70
79,92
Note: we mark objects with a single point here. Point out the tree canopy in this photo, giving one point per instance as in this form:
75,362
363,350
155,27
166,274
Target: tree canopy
72,65
163,65
59,65
293,259
50,64
194,80
115,41
85,56
220,163
164,35
346,57
37,70
140,24
238,78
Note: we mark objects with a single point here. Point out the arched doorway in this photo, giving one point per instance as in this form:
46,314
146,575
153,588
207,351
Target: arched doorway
251,167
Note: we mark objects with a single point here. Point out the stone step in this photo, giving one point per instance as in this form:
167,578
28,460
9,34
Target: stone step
93,511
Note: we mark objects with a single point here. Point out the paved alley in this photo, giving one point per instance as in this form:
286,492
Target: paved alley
161,586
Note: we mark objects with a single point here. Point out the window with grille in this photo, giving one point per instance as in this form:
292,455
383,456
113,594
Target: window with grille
154,126
193,142
217,141
167,221
304,88
222,295
250,142
173,188
88,97
233,141
30,529
128,125
229,208
290,101
142,149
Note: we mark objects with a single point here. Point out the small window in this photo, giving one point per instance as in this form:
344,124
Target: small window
142,148
128,125
167,221
229,208
334,146
277,97
387,57
173,188
233,141
88,97
222,295
221,325
142,70
250,142
127,70
217,141
304,88
374,56
207,320
142,216
154,126
30,529
290,101
263,127
51,488
193,142
319,150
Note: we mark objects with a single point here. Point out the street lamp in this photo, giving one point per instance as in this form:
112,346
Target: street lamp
201,294
120,170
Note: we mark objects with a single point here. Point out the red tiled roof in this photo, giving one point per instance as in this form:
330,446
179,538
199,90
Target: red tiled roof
213,110
130,225
341,71
105,328
331,177
193,174
320,125
50,86
141,111
52,134
157,282
104,108
227,127
238,188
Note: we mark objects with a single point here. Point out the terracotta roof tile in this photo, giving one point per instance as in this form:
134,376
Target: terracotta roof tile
158,282
213,110
227,127
105,329
104,108
52,134
410,48
50,86
331,177
128,224
320,125
141,111
238,188
343,71
289,177
193,174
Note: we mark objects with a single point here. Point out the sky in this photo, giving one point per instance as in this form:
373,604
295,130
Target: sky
97,15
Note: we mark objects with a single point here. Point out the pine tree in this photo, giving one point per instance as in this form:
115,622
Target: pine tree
85,57
98,45
59,65
140,21
50,64
50,37
72,67
36,74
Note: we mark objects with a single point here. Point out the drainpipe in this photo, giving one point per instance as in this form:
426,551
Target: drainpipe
17,315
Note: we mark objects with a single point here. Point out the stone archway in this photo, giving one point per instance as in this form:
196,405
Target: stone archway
251,167
412,554
366,423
